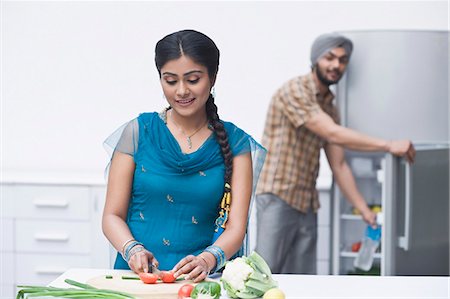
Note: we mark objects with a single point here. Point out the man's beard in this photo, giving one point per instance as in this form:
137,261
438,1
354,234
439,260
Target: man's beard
323,79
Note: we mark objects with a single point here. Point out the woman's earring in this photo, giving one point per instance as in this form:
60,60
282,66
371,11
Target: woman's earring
213,92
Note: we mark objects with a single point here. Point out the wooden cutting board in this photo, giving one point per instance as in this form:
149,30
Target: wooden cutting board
138,288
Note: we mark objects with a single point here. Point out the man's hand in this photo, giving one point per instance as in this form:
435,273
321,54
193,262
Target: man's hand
402,148
370,217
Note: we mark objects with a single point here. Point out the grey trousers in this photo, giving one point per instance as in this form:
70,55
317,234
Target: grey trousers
286,238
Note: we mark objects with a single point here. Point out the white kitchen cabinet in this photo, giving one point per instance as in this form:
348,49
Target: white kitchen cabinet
46,236
48,227
40,269
7,270
52,202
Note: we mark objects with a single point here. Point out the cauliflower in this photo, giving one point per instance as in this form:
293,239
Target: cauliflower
237,273
247,277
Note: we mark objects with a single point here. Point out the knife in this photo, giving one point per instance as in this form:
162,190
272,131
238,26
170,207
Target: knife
155,269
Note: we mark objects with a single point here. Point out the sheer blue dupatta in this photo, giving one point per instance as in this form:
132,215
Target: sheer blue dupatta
125,140
258,153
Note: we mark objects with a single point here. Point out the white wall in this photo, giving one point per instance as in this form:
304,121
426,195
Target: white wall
72,72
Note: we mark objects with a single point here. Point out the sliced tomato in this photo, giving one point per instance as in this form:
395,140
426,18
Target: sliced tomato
148,277
185,291
167,276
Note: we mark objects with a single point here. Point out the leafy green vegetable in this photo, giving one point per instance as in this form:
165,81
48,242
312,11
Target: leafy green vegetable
247,277
206,290
83,291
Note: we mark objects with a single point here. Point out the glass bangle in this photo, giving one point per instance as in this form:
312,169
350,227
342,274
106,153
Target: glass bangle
126,254
219,254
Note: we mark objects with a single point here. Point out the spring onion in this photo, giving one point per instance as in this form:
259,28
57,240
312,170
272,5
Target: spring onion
130,277
82,291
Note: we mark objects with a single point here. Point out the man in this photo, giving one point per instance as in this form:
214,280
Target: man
300,121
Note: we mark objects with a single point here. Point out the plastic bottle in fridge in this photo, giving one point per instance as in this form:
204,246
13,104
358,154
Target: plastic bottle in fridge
366,253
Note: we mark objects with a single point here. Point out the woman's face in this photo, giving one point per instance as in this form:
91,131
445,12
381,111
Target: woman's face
186,85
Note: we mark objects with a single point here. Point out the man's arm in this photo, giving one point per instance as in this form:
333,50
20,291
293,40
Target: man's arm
323,125
346,182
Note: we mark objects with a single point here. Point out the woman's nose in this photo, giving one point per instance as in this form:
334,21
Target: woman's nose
182,90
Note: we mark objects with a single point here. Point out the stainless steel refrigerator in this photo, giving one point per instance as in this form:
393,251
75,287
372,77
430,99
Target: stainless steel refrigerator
397,87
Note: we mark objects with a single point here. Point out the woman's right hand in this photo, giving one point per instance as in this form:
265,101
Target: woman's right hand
139,262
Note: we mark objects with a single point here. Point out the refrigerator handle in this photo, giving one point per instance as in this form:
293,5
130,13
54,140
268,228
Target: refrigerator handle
404,241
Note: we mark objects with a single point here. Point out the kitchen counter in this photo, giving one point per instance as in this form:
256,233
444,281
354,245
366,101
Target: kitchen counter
324,286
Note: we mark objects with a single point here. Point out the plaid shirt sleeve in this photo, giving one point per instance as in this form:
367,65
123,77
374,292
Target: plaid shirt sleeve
294,100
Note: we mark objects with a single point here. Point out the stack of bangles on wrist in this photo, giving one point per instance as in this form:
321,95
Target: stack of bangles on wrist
218,254
131,247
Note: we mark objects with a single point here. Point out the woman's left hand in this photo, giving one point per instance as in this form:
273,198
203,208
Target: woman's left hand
196,268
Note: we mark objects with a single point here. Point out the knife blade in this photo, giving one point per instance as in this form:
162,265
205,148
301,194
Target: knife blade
155,269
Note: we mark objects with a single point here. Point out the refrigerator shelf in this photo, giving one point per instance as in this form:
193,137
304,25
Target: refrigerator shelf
351,217
351,254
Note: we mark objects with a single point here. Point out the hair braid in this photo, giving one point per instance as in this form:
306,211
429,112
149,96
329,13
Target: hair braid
221,136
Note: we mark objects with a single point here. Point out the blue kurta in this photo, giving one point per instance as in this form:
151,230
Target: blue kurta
175,196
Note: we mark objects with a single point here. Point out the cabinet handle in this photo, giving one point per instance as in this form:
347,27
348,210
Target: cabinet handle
51,237
50,203
50,271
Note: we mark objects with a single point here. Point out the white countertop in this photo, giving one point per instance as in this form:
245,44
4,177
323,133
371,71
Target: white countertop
325,286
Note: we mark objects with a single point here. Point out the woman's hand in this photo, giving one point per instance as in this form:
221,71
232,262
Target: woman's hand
196,267
140,260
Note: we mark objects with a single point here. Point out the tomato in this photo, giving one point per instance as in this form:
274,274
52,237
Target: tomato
185,291
148,277
167,276
356,246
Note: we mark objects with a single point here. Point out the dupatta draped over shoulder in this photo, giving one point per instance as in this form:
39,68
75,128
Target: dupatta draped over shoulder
175,196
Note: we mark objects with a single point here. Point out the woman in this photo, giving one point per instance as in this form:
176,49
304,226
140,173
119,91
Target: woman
172,172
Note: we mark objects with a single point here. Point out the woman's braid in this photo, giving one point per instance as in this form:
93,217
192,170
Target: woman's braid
221,136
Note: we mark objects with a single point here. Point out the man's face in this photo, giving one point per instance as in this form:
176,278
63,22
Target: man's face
331,66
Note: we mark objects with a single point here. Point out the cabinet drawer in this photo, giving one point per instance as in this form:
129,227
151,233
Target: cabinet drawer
53,236
7,268
51,202
41,269
7,235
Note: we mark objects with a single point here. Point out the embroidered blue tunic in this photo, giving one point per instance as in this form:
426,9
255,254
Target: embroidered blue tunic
175,196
